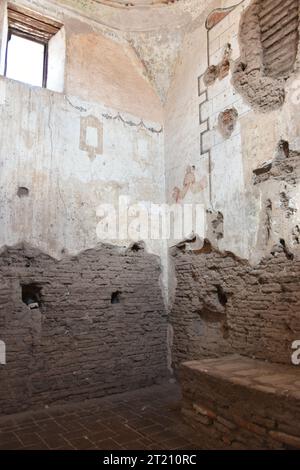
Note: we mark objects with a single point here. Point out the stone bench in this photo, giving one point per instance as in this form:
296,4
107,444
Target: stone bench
240,403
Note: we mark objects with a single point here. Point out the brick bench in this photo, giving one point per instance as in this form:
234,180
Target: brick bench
240,403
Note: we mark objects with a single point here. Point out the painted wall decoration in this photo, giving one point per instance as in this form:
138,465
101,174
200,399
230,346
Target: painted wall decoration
91,136
190,183
219,59
218,15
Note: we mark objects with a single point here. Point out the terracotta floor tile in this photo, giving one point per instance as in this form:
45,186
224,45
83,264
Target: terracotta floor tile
143,419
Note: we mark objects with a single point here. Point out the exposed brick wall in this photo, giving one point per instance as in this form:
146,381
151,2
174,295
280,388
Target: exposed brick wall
285,167
78,344
224,305
269,43
240,403
279,24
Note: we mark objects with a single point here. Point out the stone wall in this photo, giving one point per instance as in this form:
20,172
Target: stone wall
83,327
223,305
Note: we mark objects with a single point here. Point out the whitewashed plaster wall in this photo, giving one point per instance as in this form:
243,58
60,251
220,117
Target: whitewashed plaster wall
40,130
41,142
100,64
227,183
41,150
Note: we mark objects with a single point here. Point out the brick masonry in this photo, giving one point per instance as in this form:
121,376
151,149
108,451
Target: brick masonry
224,305
240,403
285,167
100,327
279,24
269,44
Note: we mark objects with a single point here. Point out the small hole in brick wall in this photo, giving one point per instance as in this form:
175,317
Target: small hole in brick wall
136,247
222,295
116,297
22,192
31,295
288,254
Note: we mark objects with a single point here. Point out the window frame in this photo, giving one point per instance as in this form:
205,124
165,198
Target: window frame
34,26
21,34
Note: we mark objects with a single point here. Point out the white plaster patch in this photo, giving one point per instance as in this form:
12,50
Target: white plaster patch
92,136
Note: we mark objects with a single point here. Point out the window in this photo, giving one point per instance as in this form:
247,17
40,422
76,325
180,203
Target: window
31,38
26,61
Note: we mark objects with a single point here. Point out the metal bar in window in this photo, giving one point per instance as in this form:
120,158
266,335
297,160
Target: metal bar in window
6,52
45,68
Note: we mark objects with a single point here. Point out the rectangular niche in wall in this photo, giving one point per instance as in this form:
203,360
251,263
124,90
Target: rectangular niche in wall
31,295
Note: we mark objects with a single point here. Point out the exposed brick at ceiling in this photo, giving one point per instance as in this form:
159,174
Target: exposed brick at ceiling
269,41
279,23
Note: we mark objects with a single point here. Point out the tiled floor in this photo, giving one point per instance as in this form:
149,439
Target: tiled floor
145,419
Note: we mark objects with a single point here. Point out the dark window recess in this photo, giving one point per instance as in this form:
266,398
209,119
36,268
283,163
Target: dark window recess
116,297
31,295
137,247
27,45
